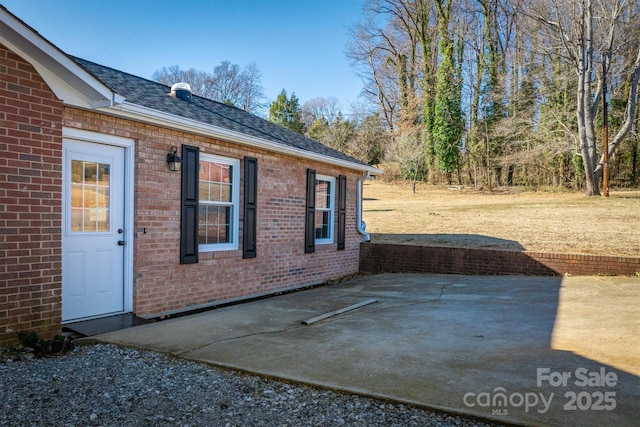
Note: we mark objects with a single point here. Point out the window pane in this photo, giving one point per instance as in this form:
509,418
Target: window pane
203,174
207,234
212,215
203,190
214,224
322,225
225,193
215,182
89,172
90,196
216,172
102,196
225,225
223,233
225,173
323,194
77,195
76,219
215,192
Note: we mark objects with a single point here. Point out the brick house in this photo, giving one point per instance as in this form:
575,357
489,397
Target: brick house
94,222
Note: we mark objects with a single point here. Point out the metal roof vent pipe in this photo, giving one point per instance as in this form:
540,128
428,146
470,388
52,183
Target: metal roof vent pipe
182,91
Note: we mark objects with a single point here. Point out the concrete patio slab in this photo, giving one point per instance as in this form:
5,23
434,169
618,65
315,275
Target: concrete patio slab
526,350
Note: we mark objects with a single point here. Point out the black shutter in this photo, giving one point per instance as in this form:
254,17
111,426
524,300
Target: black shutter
189,210
250,207
342,211
310,218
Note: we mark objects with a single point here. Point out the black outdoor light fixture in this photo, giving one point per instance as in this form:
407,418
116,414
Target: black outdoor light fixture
175,162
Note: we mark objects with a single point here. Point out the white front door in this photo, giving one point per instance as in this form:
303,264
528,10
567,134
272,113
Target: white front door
93,230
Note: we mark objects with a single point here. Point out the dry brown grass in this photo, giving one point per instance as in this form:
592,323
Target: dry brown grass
561,222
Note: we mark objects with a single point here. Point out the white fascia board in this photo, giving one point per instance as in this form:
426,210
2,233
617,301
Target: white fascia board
70,82
149,115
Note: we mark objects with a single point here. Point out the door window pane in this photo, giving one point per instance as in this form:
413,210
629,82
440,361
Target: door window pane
90,196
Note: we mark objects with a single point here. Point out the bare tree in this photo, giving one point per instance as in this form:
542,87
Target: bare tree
379,85
370,140
227,84
407,150
198,80
588,34
387,57
320,108
252,99
339,134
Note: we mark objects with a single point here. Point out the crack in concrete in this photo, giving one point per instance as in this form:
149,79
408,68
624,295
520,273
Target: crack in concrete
436,299
228,339
351,314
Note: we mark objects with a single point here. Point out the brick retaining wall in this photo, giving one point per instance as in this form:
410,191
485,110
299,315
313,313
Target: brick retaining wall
396,258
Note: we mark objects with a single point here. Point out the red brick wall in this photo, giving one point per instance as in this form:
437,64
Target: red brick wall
162,284
383,257
31,122
30,201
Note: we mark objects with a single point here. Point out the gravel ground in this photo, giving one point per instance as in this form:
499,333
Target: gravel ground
106,385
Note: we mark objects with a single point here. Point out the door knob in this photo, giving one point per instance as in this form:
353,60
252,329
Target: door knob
120,242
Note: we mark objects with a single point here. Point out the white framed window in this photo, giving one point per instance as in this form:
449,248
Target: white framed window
325,202
218,205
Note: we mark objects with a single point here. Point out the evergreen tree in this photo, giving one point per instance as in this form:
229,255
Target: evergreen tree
318,129
286,112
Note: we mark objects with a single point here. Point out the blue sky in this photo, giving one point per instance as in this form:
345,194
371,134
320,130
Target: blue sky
298,45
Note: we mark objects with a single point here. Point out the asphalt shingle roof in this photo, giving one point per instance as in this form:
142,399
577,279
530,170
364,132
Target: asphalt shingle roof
150,94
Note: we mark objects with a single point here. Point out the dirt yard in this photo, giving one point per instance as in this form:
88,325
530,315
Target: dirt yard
561,222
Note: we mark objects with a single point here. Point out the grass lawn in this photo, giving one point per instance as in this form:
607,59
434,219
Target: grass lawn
511,219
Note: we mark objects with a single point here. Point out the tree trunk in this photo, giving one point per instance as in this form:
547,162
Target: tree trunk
634,163
584,111
587,142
